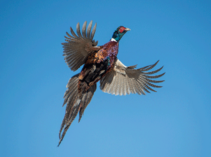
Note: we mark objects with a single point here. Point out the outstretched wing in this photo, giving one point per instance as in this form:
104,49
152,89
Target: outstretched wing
124,80
77,47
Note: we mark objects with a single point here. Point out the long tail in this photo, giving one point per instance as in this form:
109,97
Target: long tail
75,104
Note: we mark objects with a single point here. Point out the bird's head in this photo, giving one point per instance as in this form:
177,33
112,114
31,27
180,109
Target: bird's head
119,32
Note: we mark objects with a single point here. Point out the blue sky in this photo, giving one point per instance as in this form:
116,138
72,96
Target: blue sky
174,122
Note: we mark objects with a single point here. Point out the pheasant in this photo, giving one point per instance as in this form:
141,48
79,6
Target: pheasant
100,64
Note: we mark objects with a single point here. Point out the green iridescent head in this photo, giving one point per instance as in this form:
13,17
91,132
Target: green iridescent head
119,32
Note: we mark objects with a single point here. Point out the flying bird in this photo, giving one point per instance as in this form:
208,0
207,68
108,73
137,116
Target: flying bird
100,63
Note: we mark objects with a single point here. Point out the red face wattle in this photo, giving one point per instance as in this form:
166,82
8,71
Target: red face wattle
121,29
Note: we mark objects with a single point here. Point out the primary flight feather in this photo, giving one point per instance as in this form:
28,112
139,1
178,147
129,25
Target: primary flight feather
100,64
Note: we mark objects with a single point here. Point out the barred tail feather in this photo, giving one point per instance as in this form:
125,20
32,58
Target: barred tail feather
67,122
86,98
75,104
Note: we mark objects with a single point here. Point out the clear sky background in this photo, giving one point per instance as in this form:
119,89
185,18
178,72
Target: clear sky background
174,122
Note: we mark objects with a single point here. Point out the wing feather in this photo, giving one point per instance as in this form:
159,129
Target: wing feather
78,30
73,33
93,31
149,67
89,29
78,46
124,80
84,29
120,85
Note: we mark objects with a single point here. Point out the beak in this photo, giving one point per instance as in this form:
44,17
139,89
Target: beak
127,29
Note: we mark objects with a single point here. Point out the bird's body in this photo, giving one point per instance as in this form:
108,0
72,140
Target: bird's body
100,64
